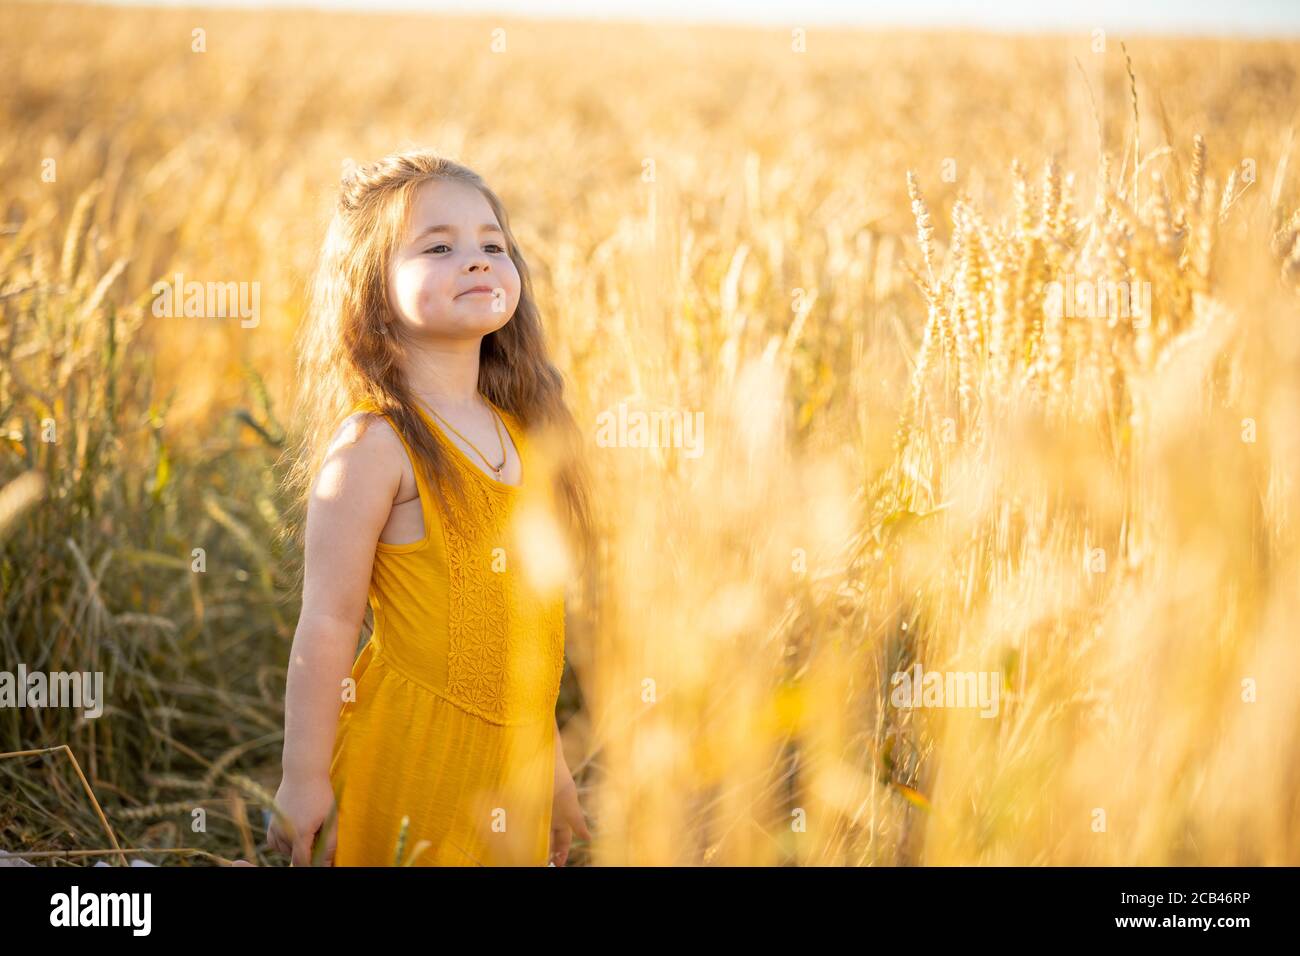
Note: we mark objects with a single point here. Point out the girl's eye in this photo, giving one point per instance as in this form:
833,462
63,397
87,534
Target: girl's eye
441,245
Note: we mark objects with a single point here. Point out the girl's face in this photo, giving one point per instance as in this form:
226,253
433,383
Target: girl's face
453,246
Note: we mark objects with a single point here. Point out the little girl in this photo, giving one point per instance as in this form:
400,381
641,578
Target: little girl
436,446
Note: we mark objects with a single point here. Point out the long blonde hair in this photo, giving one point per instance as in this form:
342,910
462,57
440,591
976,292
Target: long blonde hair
346,354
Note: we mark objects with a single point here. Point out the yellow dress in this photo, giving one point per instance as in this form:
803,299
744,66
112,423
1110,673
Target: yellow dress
453,721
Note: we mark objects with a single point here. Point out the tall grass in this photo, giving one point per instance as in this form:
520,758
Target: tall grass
842,258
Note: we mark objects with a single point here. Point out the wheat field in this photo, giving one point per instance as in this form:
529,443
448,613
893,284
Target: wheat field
855,257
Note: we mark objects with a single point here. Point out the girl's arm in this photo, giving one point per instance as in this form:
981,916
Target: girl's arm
348,508
562,774
567,819
559,752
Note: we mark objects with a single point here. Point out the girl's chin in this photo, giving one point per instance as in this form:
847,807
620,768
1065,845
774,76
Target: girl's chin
465,324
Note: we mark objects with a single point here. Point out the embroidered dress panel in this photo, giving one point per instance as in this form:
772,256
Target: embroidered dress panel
452,722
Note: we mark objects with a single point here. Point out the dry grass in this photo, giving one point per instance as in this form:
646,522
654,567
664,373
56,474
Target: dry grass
909,455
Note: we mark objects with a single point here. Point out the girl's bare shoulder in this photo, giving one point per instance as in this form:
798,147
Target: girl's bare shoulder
365,447
367,430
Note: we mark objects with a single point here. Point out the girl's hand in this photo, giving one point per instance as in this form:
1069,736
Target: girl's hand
566,815
305,805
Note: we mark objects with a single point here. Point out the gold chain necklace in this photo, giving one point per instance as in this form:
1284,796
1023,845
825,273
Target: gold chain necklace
496,422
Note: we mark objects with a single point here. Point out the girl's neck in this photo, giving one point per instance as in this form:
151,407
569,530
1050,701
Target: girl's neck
444,376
